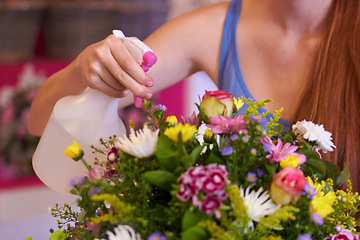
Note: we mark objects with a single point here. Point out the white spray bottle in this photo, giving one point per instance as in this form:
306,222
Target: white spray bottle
85,119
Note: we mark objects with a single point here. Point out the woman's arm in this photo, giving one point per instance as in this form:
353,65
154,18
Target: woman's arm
108,66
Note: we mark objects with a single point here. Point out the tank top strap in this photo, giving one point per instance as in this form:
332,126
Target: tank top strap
228,42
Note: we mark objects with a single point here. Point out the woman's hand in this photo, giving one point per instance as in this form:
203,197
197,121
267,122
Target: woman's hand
110,68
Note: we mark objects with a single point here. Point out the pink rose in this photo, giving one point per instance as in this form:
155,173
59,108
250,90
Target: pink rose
217,102
287,185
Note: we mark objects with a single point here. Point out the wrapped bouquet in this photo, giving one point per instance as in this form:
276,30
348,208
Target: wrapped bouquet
217,174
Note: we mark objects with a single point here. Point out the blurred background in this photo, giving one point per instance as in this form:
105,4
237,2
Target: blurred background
37,39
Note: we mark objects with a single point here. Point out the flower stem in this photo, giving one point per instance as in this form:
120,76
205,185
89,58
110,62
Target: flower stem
86,164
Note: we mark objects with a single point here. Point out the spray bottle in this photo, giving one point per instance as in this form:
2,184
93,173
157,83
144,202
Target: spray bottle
85,119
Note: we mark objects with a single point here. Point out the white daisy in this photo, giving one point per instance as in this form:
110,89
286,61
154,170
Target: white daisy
258,203
200,137
122,232
316,133
140,144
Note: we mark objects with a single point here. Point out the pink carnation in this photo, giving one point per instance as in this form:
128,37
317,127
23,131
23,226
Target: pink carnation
343,234
210,180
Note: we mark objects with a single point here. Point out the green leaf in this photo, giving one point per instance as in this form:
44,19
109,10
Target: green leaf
214,159
344,176
195,154
166,154
192,218
322,169
161,179
195,233
187,160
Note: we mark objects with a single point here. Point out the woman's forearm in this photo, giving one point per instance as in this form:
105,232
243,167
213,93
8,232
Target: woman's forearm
62,83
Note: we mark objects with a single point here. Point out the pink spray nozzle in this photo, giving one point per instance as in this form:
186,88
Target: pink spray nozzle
145,66
138,101
149,58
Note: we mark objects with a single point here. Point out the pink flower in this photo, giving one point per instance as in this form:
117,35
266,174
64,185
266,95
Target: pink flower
278,151
229,125
210,205
343,234
191,120
287,185
21,132
8,115
208,180
92,227
217,102
95,173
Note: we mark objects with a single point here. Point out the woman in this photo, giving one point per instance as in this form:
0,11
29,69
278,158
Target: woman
302,54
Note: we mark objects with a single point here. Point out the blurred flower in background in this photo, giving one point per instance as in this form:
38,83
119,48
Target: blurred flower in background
16,144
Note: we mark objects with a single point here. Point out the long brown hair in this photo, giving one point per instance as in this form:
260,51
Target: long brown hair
333,97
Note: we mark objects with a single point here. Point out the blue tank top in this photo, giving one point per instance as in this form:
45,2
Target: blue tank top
230,78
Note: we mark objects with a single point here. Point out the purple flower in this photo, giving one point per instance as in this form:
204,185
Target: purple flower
245,138
257,119
221,124
278,151
225,151
309,191
317,219
76,181
251,177
234,137
160,106
95,191
304,237
156,236
260,172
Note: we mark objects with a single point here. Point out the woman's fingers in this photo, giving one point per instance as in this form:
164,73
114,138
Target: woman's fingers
99,70
109,67
97,81
128,71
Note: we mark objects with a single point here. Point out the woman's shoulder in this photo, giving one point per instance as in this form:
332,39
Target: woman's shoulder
207,15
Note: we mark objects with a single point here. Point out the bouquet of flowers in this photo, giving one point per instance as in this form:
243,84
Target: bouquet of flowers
217,174
16,145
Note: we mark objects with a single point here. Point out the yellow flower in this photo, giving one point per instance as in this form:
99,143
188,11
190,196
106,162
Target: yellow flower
172,120
238,103
187,132
291,160
322,204
74,151
316,185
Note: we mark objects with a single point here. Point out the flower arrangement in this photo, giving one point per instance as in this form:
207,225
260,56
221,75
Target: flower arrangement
217,174
16,145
